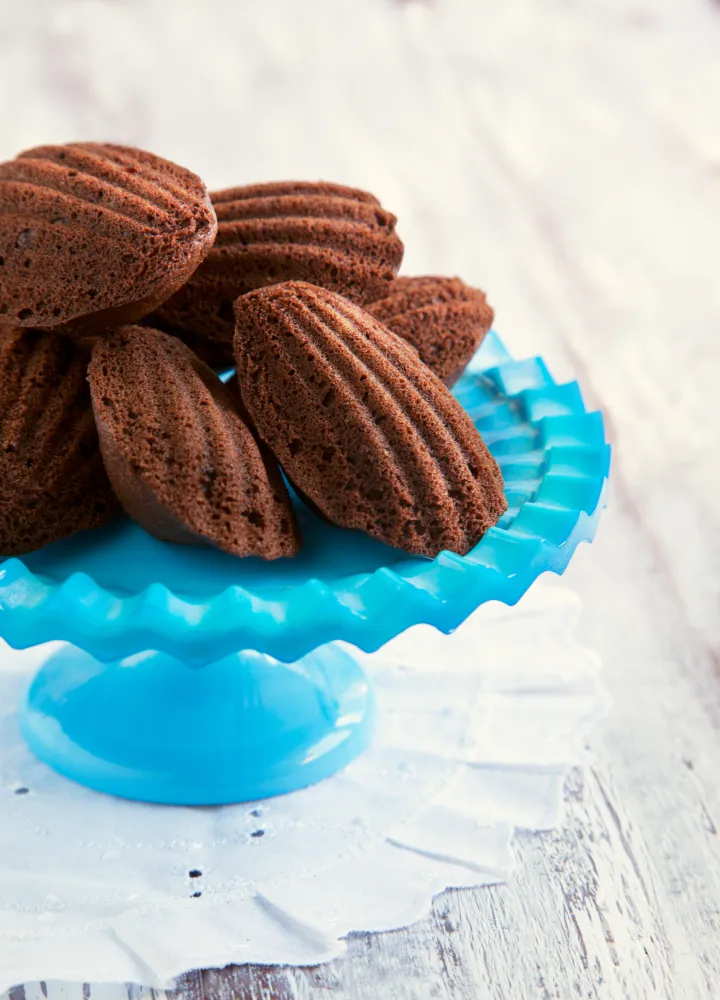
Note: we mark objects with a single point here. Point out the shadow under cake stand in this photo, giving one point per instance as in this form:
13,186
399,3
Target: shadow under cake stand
195,678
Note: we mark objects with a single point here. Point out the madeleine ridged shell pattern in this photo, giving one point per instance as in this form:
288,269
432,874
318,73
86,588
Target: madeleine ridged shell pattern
95,235
180,457
52,479
334,236
443,318
362,428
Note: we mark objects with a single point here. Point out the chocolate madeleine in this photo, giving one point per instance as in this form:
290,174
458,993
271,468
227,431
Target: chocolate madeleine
93,235
361,426
327,234
443,318
179,456
52,478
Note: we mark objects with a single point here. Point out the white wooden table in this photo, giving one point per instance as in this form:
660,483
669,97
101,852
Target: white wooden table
565,156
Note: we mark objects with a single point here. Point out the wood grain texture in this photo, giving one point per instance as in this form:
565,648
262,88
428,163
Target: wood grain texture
566,157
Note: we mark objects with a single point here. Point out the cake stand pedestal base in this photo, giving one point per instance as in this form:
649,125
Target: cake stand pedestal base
243,728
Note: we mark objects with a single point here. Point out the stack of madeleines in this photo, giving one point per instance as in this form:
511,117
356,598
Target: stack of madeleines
124,283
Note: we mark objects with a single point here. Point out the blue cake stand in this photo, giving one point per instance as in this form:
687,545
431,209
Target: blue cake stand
196,678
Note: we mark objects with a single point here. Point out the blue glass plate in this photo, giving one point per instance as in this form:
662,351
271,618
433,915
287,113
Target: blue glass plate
116,592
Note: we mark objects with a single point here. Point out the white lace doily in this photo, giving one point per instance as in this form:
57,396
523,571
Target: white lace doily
477,732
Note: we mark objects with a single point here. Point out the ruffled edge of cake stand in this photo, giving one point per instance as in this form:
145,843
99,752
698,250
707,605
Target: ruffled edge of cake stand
539,534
